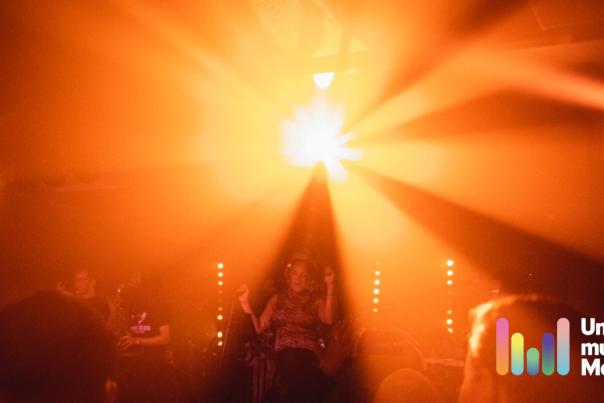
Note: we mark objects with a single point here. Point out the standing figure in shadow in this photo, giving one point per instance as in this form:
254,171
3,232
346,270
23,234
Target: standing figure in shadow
297,314
144,371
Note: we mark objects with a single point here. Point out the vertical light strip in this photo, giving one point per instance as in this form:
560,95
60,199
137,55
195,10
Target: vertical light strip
376,284
547,352
502,359
563,346
449,273
517,353
220,316
532,361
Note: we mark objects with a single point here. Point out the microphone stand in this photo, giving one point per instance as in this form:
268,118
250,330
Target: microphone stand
227,332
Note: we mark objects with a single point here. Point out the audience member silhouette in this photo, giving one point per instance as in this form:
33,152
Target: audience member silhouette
54,348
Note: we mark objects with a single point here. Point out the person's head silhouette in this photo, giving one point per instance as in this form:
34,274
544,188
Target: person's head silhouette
54,348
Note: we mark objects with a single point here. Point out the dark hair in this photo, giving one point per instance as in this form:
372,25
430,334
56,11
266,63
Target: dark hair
54,348
406,386
301,259
531,315
90,272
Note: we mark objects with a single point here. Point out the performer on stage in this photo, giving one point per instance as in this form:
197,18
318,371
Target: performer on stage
297,314
144,372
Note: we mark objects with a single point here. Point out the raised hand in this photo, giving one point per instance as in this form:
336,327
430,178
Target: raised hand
62,288
329,277
127,341
243,294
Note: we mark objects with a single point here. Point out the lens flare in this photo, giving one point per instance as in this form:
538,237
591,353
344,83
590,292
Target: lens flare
313,136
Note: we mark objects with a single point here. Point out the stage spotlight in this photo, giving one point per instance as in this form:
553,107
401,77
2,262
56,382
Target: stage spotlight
313,136
450,273
219,317
220,266
219,335
376,281
376,291
450,263
323,80
449,321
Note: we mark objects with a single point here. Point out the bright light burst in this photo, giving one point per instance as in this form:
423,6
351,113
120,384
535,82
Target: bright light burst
313,136
323,80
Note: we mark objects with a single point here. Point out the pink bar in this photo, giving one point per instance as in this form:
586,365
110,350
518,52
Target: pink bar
502,358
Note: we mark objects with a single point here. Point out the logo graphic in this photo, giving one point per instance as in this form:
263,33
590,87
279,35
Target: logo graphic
141,317
514,357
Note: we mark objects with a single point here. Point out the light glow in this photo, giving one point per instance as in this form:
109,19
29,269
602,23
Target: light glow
313,136
323,80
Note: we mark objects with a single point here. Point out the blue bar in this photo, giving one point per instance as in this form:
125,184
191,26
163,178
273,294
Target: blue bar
547,354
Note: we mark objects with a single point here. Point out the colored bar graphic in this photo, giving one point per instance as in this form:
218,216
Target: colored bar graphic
532,361
547,351
563,346
502,357
517,354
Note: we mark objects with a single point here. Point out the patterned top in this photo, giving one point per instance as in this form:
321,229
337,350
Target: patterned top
296,322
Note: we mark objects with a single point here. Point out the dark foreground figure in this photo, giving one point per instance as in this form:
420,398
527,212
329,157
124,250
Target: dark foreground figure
55,348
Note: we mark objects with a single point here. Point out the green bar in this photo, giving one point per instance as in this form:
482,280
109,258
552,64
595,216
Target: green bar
532,361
